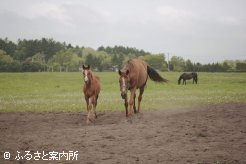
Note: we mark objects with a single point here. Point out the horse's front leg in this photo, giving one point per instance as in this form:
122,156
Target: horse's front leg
131,101
89,108
126,105
87,102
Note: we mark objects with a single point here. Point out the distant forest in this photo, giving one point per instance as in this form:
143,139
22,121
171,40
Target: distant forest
53,56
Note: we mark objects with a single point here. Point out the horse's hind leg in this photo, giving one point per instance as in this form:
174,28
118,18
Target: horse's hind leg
134,106
194,81
141,91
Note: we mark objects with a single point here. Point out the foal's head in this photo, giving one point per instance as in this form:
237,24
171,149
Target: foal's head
87,74
124,83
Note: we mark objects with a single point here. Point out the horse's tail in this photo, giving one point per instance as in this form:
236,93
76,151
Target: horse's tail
153,75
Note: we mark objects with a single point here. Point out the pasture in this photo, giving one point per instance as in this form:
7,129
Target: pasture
45,113
62,92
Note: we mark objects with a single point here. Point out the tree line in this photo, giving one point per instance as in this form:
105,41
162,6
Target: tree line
46,54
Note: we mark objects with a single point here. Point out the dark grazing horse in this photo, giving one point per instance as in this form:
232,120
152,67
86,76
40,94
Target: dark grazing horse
188,76
134,75
91,91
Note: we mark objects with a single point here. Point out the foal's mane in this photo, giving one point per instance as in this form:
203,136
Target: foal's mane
96,77
93,75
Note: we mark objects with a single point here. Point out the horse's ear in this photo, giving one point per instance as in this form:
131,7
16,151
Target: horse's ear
83,66
119,72
127,72
88,67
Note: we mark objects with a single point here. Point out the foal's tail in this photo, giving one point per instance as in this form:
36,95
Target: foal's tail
153,75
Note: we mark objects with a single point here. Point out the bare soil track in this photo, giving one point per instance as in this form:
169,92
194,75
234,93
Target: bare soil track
203,134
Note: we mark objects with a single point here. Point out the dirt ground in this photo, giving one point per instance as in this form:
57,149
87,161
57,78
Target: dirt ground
203,134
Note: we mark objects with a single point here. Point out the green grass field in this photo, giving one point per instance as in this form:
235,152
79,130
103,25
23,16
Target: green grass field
62,92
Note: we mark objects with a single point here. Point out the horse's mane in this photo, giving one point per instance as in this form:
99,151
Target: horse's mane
128,65
94,76
97,77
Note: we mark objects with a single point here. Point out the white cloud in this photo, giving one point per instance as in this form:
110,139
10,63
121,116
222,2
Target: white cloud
48,11
229,20
174,19
173,13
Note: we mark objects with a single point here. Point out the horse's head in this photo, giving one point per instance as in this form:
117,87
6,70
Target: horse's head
87,74
124,83
179,81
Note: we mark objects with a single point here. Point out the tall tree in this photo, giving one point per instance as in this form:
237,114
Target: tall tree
156,61
178,63
62,59
189,66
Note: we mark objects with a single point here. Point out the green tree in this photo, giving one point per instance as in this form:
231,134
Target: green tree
4,57
156,61
189,66
241,66
8,46
5,61
63,59
29,66
89,60
178,63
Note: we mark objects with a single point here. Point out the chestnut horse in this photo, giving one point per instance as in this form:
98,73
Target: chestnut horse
134,75
91,91
188,76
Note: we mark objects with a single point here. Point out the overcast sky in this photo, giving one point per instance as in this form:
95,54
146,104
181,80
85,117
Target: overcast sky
201,30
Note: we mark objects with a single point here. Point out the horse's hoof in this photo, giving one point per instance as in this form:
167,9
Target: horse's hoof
129,114
88,121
